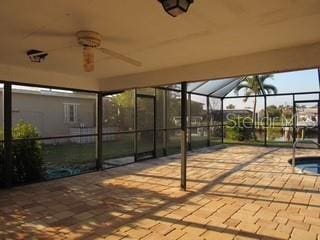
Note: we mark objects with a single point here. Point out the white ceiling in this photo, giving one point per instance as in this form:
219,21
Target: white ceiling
212,29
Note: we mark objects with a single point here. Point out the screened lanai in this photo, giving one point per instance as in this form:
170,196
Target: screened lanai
284,112
163,119
214,112
282,108
143,123
218,88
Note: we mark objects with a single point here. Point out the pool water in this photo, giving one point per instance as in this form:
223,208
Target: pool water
310,167
308,164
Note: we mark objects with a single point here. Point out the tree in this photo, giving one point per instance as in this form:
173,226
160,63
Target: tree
286,111
231,106
255,85
274,112
118,110
27,155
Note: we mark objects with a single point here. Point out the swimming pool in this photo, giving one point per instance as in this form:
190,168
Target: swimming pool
307,164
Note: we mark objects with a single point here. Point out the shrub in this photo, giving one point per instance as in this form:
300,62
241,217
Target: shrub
274,133
27,160
239,129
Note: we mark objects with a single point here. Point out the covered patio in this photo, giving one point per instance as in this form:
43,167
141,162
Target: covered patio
115,119
234,192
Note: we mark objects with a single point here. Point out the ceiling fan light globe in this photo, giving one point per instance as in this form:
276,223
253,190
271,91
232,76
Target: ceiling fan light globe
168,4
174,12
176,7
184,4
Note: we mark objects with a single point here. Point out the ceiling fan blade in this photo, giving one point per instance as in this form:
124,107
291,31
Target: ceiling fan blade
114,39
120,57
53,34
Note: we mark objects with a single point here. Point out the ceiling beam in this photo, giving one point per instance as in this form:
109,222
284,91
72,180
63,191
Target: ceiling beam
279,60
17,74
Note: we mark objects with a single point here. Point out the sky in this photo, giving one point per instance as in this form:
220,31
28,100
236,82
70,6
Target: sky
297,81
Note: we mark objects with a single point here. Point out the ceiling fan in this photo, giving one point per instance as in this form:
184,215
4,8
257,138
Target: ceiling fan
91,41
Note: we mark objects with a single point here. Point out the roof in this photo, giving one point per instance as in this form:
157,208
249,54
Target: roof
214,40
215,88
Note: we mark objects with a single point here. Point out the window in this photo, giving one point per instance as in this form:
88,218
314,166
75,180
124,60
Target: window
71,112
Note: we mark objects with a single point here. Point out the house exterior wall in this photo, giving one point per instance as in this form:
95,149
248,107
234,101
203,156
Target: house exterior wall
46,112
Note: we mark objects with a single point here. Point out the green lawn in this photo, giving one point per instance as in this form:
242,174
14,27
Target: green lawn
72,155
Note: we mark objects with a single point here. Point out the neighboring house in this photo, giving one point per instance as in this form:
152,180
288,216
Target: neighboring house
56,113
53,113
195,120
216,116
307,116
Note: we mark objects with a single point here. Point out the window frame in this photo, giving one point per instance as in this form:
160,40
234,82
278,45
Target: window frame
67,112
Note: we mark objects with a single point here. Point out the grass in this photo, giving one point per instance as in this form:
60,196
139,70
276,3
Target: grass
73,154
68,154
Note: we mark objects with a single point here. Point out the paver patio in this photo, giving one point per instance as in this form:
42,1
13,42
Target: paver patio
237,192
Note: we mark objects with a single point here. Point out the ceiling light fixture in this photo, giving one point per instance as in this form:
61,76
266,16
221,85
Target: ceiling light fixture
36,56
175,7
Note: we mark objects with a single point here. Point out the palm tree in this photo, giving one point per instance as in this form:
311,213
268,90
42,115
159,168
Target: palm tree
255,85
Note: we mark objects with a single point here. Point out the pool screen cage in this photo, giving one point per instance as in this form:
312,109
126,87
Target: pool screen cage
261,114
143,123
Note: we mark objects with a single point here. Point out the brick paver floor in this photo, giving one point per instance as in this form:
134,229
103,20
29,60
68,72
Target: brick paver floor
237,192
